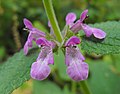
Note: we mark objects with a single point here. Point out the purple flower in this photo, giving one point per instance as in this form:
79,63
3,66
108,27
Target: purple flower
70,18
77,69
40,69
79,25
98,33
34,33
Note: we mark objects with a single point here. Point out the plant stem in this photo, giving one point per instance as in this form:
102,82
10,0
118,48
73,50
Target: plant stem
52,18
84,87
73,87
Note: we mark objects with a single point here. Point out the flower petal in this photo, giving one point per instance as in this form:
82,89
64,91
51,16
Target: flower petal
83,15
39,70
42,41
37,33
76,27
29,39
46,55
73,53
98,33
28,43
26,48
87,29
49,25
78,70
27,23
53,44
70,18
50,58
72,41
33,35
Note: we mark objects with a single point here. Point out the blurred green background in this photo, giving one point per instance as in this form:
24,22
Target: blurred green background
13,37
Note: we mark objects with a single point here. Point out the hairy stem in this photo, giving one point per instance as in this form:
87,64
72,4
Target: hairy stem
52,18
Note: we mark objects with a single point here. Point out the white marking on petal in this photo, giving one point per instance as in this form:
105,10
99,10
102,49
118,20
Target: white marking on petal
40,70
77,70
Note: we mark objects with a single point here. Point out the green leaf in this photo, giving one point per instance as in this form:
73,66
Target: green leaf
115,63
102,79
46,87
40,26
15,71
110,45
66,90
60,64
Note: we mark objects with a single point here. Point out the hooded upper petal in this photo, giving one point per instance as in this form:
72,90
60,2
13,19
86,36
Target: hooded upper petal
70,18
35,31
83,15
34,34
72,41
42,41
76,26
72,51
46,50
27,23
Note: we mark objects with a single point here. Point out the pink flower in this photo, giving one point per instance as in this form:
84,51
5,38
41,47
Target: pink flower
77,69
79,25
34,33
40,69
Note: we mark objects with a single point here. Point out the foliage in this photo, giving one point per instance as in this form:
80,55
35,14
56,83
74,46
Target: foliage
34,10
41,86
104,67
15,71
109,45
103,80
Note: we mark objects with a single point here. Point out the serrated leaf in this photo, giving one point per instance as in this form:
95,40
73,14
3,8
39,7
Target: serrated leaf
15,71
109,45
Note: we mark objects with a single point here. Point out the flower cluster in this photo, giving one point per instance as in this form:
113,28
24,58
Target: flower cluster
77,69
